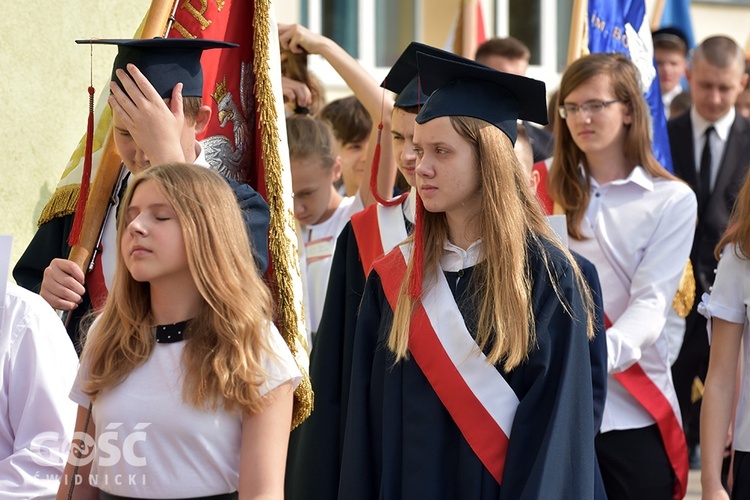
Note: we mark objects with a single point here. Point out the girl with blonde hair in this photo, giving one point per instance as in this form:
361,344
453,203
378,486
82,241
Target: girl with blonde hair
471,375
188,383
635,222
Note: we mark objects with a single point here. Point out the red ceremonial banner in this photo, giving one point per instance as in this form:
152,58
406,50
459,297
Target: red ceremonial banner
232,140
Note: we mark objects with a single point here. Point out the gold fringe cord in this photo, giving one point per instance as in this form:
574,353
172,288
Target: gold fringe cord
281,247
63,202
685,296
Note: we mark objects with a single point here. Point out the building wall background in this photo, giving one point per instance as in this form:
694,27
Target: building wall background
43,85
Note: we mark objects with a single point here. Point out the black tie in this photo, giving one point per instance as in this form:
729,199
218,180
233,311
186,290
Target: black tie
705,172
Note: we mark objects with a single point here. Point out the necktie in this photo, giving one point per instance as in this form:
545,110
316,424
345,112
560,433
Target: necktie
705,171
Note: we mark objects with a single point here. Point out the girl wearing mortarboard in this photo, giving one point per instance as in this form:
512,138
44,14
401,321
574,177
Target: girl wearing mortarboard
470,374
635,222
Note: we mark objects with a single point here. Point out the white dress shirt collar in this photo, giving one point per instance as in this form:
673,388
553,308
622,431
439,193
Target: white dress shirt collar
722,125
637,176
456,258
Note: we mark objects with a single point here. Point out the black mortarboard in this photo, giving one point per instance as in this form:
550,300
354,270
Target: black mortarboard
458,88
671,37
165,62
402,78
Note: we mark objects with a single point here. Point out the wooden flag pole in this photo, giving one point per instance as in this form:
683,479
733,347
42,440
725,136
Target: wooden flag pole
109,167
658,14
577,29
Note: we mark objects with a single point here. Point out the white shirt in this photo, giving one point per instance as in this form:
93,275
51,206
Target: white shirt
151,444
455,258
638,232
729,300
718,139
319,241
668,97
37,368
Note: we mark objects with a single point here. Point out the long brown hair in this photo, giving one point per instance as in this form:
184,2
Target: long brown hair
509,219
227,340
738,231
565,184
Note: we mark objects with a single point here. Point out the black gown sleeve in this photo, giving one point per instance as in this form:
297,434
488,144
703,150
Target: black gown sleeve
551,448
257,218
598,345
314,457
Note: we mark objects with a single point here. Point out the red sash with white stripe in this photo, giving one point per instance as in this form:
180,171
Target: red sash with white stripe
476,395
647,393
378,230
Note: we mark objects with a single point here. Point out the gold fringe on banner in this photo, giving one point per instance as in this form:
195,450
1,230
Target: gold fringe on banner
282,218
62,203
685,296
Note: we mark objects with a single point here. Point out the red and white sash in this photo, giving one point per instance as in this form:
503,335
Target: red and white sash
476,395
640,385
378,229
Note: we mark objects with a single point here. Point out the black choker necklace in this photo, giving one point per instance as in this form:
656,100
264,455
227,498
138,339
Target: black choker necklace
166,334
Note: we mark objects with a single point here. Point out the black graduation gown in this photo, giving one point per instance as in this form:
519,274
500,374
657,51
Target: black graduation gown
51,242
314,456
400,441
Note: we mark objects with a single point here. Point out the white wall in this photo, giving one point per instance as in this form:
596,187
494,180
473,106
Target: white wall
43,86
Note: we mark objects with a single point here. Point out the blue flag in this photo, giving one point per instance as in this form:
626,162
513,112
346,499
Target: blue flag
677,14
621,26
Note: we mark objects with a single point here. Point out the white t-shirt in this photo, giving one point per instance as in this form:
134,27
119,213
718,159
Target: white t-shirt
729,301
151,444
319,242
37,367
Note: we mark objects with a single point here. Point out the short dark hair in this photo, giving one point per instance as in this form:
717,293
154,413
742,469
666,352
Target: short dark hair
348,118
509,48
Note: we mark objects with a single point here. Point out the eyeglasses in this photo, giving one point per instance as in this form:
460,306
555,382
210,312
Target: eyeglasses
590,108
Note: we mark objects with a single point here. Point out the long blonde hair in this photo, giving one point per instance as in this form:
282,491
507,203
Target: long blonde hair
738,230
565,184
509,221
227,340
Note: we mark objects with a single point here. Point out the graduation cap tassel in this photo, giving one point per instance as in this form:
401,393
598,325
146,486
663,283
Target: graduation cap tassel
417,271
376,167
83,193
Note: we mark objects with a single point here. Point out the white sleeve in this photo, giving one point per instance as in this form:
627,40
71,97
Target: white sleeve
39,370
727,298
654,284
280,367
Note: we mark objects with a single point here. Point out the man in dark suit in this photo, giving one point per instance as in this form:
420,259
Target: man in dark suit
710,151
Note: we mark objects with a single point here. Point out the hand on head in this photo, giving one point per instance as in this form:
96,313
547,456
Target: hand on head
62,285
154,126
298,39
296,92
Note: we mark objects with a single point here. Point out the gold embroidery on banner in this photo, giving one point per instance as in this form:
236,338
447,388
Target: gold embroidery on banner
220,5
198,14
182,30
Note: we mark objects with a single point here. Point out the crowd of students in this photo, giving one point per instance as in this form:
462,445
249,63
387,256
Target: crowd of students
480,325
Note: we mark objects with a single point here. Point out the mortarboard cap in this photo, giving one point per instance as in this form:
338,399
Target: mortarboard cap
458,88
165,62
671,38
402,78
